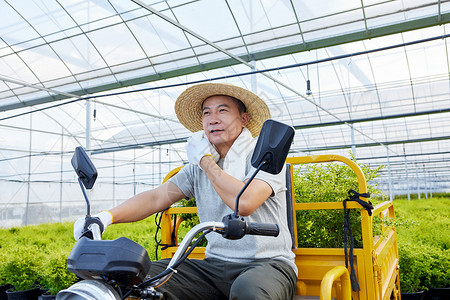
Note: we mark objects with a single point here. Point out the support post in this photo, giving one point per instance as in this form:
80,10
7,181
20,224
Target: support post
27,206
61,174
389,174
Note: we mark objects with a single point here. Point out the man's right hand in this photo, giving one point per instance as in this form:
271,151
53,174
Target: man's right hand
105,217
198,146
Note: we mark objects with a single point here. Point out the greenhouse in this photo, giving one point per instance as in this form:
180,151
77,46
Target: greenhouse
368,79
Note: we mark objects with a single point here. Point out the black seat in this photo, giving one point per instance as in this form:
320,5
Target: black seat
289,204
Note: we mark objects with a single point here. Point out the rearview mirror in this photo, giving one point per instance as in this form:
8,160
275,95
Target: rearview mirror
84,168
273,146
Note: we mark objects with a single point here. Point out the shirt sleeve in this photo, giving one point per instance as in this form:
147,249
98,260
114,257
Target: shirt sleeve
276,182
184,180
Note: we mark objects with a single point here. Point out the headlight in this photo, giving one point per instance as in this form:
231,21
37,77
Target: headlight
88,290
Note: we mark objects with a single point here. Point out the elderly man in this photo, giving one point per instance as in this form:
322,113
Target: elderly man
225,120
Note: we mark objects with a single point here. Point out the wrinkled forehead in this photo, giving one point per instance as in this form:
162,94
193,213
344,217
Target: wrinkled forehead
227,100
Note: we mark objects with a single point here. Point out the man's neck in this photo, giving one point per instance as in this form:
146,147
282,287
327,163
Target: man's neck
223,149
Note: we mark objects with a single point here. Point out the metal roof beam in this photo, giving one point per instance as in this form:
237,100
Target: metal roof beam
301,47
385,143
138,146
373,119
293,150
356,36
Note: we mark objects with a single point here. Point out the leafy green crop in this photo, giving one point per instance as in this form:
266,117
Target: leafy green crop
37,255
424,246
328,182
29,255
190,220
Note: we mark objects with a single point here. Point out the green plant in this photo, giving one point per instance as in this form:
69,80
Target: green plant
379,222
190,220
54,273
414,196
36,255
424,246
422,267
328,182
28,252
23,270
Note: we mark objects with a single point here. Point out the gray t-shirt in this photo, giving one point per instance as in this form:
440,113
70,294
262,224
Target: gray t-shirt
193,182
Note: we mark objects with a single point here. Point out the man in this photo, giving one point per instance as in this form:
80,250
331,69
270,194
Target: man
225,120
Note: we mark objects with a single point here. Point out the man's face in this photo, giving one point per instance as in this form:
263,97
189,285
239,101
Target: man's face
222,121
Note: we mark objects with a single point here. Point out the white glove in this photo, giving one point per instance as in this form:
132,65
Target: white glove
198,146
105,217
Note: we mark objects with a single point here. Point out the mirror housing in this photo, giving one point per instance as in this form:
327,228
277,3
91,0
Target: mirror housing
84,167
273,145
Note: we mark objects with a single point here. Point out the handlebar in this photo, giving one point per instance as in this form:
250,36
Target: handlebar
236,228
262,229
213,226
96,233
93,228
219,227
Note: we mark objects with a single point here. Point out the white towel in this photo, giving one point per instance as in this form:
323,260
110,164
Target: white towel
236,159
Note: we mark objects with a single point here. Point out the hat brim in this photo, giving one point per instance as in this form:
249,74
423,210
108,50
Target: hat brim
188,106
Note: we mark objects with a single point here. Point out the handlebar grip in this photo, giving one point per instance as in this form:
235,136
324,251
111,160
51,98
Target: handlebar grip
93,228
96,232
262,229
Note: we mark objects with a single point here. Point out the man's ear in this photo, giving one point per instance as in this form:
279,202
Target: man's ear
245,119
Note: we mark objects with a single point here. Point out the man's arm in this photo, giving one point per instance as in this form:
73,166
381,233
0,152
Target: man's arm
147,203
228,188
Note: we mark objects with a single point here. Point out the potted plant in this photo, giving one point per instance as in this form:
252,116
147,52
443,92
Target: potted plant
29,294
23,276
3,289
55,275
419,264
438,293
35,258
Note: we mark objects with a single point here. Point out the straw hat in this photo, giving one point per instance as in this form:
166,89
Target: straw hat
188,106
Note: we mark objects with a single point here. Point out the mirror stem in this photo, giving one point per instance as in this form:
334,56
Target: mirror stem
88,206
236,210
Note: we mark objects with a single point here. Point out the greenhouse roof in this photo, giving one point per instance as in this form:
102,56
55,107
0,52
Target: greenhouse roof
378,74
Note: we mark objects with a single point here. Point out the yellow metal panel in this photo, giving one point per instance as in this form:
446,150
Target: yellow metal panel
367,286
172,173
385,246
329,158
381,238
382,207
325,205
314,263
389,280
329,279
166,229
182,210
197,253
